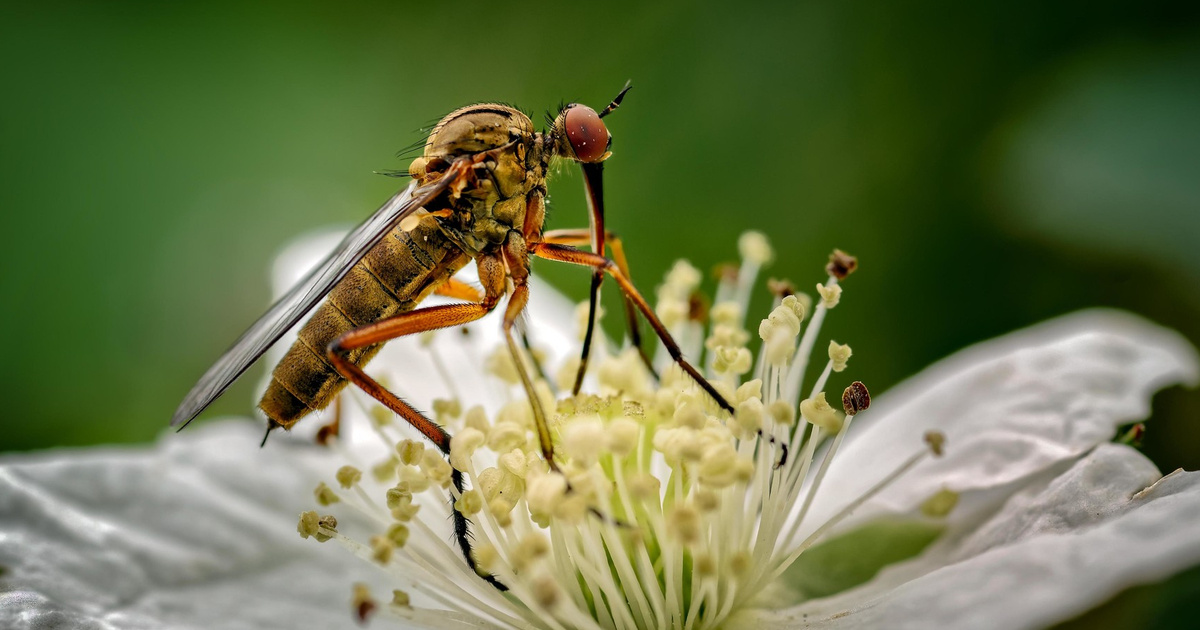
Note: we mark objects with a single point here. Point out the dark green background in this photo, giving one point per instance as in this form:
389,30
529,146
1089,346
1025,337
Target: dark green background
991,163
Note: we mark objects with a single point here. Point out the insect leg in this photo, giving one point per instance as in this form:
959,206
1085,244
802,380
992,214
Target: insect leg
334,428
593,182
491,275
463,291
576,237
516,257
571,255
412,322
459,290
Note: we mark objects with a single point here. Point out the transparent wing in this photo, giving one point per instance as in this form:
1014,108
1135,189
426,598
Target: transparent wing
304,296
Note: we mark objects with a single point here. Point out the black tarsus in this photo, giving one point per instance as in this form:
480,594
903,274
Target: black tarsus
462,533
783,457
594,294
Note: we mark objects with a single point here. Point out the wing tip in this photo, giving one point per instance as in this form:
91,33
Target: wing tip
182,416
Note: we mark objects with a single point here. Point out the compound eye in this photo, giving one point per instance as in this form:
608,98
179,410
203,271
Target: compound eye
587,134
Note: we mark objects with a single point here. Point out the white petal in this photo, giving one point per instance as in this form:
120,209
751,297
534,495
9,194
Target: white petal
1014,408
196,533
1046,558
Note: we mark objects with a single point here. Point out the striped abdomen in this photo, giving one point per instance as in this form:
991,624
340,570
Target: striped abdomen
391,279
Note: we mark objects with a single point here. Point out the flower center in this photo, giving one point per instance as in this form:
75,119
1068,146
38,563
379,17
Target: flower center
667,512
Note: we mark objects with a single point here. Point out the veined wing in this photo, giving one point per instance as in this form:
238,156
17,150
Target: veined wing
304,296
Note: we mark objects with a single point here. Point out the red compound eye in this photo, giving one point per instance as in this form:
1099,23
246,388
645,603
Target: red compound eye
587,134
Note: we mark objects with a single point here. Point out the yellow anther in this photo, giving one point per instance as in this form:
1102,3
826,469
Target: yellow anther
381,549
683,524
325,495
831,294
347,476
755,248
463,446
623,434
398,534
839,354
470,502
817,411
410,451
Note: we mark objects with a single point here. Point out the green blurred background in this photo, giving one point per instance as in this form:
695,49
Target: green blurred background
991,163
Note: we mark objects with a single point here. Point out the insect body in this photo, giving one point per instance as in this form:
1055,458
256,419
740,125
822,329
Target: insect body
478,193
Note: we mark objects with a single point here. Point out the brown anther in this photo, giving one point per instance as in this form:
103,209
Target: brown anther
362,603
781,288
697,307
326,523
936,441
841,264
856,398
726,272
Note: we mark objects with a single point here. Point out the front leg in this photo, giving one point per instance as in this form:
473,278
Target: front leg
566,254
576,237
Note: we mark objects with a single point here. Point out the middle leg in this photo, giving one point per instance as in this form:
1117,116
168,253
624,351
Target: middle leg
576,237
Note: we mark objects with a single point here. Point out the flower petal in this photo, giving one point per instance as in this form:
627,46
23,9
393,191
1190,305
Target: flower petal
1048,557
1023,405
194,533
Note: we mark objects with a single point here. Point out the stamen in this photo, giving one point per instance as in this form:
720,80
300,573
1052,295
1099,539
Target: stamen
831,293
841,264
756,253
362,603
659,512
934,440
856,398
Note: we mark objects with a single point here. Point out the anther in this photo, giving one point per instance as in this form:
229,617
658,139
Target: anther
697,308
325,495
362,603
781,288
308,524
841,264
347,476
398,534
839,355
725,272
817,411
382,549
754,247
856,398
831,294
410,451
936,441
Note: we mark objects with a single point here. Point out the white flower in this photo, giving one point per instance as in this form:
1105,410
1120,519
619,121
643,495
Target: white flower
672,513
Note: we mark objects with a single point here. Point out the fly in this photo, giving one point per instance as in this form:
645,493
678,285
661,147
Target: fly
478,193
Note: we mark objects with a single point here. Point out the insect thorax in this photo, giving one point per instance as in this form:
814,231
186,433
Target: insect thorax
511,162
